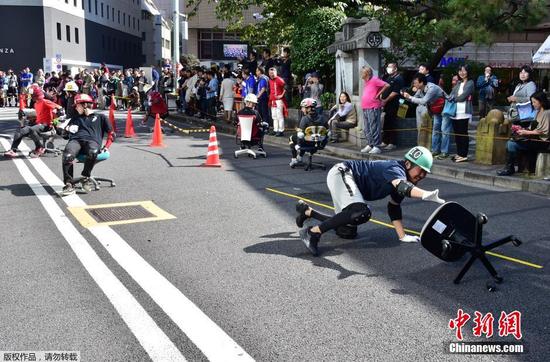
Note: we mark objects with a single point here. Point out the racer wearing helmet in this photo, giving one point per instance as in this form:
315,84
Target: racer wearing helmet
86,132
250,102
45,110
71,90
353,183
310,118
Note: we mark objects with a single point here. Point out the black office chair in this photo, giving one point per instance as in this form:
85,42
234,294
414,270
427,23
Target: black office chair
452,231
315,139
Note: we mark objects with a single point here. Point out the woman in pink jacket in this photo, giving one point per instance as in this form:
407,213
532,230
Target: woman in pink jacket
372,109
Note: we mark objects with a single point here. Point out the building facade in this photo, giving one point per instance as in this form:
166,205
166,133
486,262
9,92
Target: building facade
156,34
63,34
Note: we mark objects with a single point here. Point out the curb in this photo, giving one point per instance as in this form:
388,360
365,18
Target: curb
540,187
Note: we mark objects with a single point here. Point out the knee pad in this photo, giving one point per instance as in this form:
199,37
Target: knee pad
68,158
347,231
92,153
359,213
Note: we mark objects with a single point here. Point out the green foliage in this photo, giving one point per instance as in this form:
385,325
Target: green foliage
312,34
189,60
328,99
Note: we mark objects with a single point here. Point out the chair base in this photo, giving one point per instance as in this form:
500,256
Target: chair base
250,152
96,181
310,165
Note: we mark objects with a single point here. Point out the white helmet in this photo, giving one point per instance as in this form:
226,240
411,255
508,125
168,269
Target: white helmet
251,97
71,87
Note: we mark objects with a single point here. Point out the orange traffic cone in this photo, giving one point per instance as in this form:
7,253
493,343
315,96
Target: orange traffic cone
212,156
129,125
157,134
112,113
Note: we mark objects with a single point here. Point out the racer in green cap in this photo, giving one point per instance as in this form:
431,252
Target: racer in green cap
353,183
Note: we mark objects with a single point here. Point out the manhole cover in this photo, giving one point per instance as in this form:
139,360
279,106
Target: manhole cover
119,213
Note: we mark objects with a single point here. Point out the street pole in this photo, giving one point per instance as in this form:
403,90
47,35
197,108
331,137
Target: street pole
176,39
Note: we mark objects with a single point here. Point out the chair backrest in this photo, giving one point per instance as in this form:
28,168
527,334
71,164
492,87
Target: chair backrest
246,126
317,134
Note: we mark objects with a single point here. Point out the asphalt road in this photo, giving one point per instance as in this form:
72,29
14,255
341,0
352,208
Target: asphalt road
233,251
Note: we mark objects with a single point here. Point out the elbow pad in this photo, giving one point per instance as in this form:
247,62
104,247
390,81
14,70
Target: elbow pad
394,212
404,188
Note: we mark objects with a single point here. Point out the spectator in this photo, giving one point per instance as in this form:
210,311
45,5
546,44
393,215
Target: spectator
277,101
427,94
3,89
390,102
249,83
26,79
345,116
211,94
134,98
103,68
373,88
156,77
251,64
425,69
268,62
201,97
181,89
314,89
141,82
40,79
285,64
534,140
262,91
522,92
227,97
12,93
487,85
462,94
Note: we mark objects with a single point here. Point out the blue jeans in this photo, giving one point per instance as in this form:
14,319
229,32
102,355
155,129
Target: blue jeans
372,121
442,128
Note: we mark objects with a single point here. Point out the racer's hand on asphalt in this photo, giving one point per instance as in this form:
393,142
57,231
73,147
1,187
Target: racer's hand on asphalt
432,196
410,239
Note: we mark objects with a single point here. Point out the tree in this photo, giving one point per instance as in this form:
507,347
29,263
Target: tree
425,29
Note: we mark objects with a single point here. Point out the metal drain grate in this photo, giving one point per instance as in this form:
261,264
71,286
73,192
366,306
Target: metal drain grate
119,213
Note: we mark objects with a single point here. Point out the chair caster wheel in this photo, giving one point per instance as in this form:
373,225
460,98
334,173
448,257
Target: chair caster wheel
498,279
235,156
516,242
113,184
491,287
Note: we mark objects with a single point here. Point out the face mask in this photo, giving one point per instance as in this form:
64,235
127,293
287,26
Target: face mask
390,70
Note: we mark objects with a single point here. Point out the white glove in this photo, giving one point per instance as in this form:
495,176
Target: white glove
410,239
432,196
301,135
72,128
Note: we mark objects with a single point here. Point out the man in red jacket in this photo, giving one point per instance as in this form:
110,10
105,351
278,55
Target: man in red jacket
277,102
45,111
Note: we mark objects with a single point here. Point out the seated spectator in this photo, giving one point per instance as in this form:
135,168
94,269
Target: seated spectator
310,118
533,140
134,98
522,92
44,120
345,116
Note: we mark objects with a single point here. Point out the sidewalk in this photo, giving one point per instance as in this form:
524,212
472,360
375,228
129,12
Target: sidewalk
467,171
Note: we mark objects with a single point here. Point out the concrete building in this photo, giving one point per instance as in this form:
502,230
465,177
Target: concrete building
70,33
156,34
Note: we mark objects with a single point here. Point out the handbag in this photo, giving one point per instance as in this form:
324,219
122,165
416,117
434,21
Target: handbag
450,109
437,106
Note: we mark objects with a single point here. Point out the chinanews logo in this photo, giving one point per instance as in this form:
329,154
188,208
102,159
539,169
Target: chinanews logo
6,50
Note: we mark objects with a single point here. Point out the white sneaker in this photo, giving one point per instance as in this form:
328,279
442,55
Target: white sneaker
375,150
293,162
366,149
382,145
389,147
299,158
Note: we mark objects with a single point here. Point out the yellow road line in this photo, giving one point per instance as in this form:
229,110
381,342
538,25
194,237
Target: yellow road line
508,258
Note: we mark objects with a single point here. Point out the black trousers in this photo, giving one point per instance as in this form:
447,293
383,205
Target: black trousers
460,127
72,149
263,110
390,124
31,131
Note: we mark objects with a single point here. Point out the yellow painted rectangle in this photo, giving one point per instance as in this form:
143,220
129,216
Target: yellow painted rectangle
86,220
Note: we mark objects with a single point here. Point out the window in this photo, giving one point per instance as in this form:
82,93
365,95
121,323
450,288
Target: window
101,9
76,37
66,1
107,12
113,14
138,24
58,31
75,3
83,5
124,19
119,16
68,32
134,22
89,5
143,35
96,7
103,41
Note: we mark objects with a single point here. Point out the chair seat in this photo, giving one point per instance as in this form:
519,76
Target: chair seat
100,157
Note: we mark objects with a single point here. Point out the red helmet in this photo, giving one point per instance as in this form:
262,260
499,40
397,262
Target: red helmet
83,98
36,92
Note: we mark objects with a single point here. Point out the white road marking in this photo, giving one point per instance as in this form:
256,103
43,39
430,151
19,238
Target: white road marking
201,330
150,336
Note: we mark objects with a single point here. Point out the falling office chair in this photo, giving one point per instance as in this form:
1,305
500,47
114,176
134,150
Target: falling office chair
452,231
